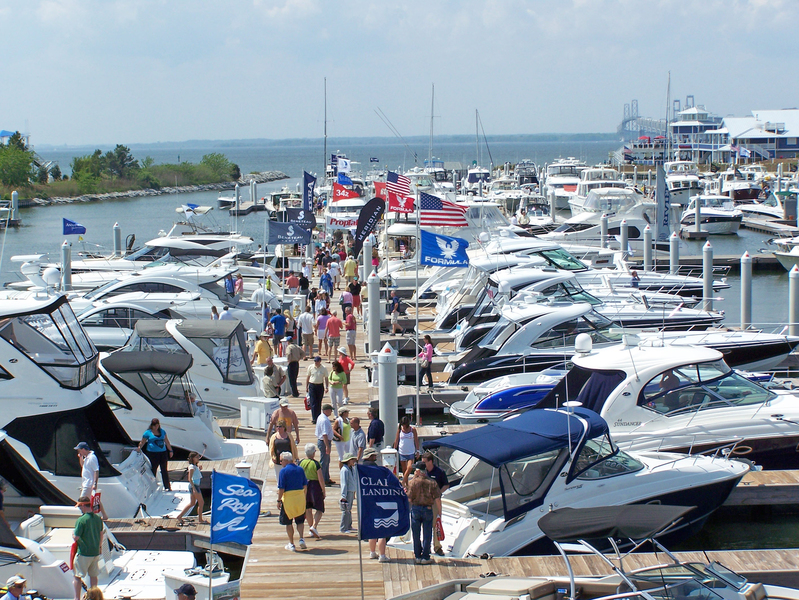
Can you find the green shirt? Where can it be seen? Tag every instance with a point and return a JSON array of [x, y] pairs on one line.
[[89, 529], [310, 467]]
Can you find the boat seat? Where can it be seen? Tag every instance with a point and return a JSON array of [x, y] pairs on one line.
[[479, 596], [540, 589], [465, 492], [755, 591]]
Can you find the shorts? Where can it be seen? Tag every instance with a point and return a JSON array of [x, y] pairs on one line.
[[307, 339], [406, 457], [351, 337], [394, 318], [335, 341], [277, 339], [314, 498], [356, 301], [195, 489], [284, 520], [322, 334], [86, 566]]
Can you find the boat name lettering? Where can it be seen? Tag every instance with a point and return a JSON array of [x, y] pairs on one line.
[[444, 262], [574, 487], [627, 424], [237, 506], [237, 490]]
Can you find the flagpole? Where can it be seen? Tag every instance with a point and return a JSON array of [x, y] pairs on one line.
[[416, 335], [358, 520]]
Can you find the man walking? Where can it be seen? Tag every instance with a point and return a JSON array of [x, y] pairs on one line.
[[289, 416], [88, 534], [294, 354], [437, 474], [290, 501], [357, 439], [306, 324], [350, 331], [90, 472], [324, 437], [316, 384], [423, 495]]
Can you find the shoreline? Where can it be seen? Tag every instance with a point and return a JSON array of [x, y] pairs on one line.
[[263, 177]]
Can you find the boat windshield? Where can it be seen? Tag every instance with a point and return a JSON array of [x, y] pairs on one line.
[[55, 341], [600, 459], [620, 201], [486, 217], [689, 588], [147, 253], [477, 176], [569, 290], [167, 393], [561, 259], [229, 355], [702, 386]]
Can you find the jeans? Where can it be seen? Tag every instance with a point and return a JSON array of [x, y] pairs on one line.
[[316, 392], [428, 370], [324, 459], [293, 369], [422, 530]]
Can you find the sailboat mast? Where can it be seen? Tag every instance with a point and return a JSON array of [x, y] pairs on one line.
[[668, 120], [324, 158], [432, 107], [476, 136]]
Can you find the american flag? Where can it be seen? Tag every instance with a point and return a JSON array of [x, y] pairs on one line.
[[435, 212], [398, 184]]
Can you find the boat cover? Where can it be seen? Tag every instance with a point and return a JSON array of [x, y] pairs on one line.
[[528, 434], [191, 328], [636, 522], [148, 362]]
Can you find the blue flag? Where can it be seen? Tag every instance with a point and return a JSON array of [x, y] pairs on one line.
[[73, 228], [344, 180], [443, 250], [287, 233], [309, 181], [383, 507], [300, 216], [235, 505]]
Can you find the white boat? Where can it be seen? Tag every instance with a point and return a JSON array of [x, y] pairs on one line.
[[54, 400], [141, 384], [682, 181], [594, 178], [511, 471], [220, 369], [738, 185], [475, 181], [717, 215], [772, 208], [562, 177]]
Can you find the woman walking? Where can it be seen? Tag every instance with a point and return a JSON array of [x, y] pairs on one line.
[[321, 329], [195, 477], [407, 445], [426, 362], [281, 442], [157, 449], [342, 431], [336, 380], [315, 494]]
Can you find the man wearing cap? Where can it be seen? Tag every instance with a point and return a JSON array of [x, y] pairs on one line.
[[274, 377], [88, 534], [347, 364], [316, 384], [294, 354], [437, 474], [289, 416], [357, 438], [324, 437], [262, 349], [90, 472], [186, 592], [15, 586], [348, 489], [423, 495]]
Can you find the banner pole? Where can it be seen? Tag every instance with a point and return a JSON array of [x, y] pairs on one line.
[[211, 572], [418, 256], [360, 529]]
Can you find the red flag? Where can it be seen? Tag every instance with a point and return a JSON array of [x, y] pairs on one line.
[[380, 189], [342, 193], [400, 204]]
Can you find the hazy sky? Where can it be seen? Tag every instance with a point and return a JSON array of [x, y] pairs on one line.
[[104, 71]]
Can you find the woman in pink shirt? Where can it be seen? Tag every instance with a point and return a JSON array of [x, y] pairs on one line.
[[427, 354]]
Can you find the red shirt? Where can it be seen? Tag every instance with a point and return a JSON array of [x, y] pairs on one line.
[[293, 282], [349, 323], [334, 327], [346, 362]]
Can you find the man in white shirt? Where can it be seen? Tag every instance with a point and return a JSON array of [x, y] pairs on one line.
[[225, 315], [306, 322], [90, 472], [324, 436], [335, 273]]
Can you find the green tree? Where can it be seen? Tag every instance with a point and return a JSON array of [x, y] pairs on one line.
[[56, 172], [17, 141], [217, 163], [235, 172], [120, 162], [92, 164], [15, 166], [42, 174]]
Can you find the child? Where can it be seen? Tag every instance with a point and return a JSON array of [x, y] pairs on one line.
[[348, 484], [195, 476]]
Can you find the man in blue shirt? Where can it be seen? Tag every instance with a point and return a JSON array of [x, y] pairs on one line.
[[230, 286], [278, 322], [376, 432], [290, 481]]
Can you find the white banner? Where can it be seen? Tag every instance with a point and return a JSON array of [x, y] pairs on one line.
[[333, 223]]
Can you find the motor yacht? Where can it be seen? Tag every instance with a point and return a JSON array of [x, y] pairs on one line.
[[140, 384], [562, 177], [54, 400], [221, 368], [507, 475], [682, 181], [772, 208], [475, 181], [717, 214], [737, 185], [657, 396], [594, 178]]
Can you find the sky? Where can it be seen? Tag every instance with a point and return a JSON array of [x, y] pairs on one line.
[[81, 72]]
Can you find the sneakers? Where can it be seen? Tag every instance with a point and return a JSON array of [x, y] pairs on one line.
[[426, 561], [302, 544], [383, 558], [417, 561], [373, 555], [346, 400], [315, 533], [291, 548], [349, 531]]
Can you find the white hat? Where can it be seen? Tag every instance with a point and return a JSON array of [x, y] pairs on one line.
[[15, 580], [342, 350]]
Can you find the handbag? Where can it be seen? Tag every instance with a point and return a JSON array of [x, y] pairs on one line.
[[425, 363], [439, 529], [307, 402]]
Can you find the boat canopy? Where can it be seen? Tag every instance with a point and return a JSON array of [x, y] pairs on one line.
[[150, 328], [528, 434], [636, 522], [148, 362]]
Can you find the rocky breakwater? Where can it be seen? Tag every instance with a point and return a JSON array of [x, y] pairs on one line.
[[264, 177]]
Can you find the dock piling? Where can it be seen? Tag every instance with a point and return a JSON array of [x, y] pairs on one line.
[[793, 301], [387, 386], [674, 254], [707, 276], [603, 230], [625, 244], [66, 266], [117, 240], [647, 248], [373, 312], [746, 291]]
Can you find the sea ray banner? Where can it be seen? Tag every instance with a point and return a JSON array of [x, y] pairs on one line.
[[443, 250], [287, 233], [73, 228], [662, 225], [303, 218], [309, 181], [367, 221], [383, 507], [235, 505]]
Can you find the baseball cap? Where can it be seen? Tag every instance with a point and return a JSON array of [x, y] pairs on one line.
[[284, 402], [317, 359], [15, 580], [186, 589], [82, 446], [420, 466], [369, 452]]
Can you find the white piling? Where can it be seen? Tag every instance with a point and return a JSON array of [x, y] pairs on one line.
[[14, 207], [603, 230], [66, 266], [373, 312], [697, 214], [366, 264], [387, 387], [793, 301], [117, 240], [746, 291], [647, 248], [625, 244], [707, 276], [551, 194], [674, 253]]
